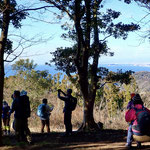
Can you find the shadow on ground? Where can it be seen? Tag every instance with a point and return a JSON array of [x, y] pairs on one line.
[[105, 140]]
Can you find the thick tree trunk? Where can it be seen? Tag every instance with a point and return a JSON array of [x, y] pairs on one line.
[[89, 123], [3, 41], [88, 120], [1, 90]]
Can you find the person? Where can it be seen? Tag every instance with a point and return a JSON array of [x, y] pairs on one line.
[[20, 106], [129, 134], [131, 116], [130, 103], [67, 110], [6, 117], [45, 112], [27, 112]]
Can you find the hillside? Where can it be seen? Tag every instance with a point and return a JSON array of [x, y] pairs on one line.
[[143, 81]]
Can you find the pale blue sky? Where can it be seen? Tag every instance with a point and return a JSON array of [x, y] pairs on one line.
[[126, 51]]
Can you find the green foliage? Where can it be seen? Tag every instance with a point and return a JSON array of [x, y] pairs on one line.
[[8, 47], [114, 97], [122, 77], [35, 82], [23, 65], [63, 59]]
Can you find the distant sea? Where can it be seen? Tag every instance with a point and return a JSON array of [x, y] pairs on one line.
[[110, 67]]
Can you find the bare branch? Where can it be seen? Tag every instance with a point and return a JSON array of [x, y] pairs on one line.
[[23, 44], [60, 7], [31, 9]]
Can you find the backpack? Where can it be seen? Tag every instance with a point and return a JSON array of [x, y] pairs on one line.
[[73, 103], [25, 106], [41, 111], [143, 120], [5, 112]]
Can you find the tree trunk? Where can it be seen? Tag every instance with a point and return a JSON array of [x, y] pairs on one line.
[[3, 41], [88, 119], [1, 90]]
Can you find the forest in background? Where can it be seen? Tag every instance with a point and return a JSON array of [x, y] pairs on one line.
[[110, 104]]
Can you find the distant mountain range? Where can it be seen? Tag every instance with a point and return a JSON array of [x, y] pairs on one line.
[[143, 81], [111, 67]]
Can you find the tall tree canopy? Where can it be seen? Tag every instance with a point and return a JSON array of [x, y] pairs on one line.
[[89, 31]]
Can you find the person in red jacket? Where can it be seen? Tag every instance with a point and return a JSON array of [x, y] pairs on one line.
[[131, 116], [129, 135]]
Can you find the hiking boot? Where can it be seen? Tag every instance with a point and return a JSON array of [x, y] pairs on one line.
[[128, 145]]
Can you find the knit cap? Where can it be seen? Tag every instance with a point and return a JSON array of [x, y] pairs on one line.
[[132, 95], [137, 99]]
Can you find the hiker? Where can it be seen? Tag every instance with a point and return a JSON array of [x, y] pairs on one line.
[[130, 103], [20, 106], [133, 115], [67, 98], [129, 134], [44, 112], [6, 117], [27, 113]]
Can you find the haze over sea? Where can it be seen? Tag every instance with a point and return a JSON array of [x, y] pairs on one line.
[[111, 67]]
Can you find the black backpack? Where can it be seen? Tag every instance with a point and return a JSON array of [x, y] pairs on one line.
[[143, 120], [73, 103], [25, 106]]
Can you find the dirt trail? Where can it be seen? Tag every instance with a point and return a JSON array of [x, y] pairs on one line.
[[103, 140]]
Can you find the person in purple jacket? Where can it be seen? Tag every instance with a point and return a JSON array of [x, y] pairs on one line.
[[130, 103]]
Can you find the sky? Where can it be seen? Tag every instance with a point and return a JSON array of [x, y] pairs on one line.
[[130, 51]]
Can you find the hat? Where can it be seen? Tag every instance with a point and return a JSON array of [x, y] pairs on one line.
[[23, 92], [137, 99], [5, 103], [132, 95]]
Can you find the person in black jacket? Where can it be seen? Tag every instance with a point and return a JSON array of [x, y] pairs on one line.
[[67, 110], [27, 113], [21, 107]]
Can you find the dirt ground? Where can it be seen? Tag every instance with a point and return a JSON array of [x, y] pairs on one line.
[[103, 140]]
